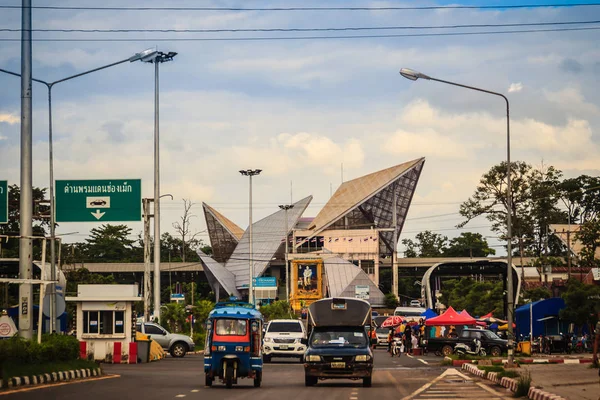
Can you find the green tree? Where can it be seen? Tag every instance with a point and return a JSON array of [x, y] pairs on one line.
[[581, 302], [426, 244], [469, 244], [110, 243], [534, 198], [537, 293], [581, 196], [173, 317], [478, 298], [589, 236], [10, 248]]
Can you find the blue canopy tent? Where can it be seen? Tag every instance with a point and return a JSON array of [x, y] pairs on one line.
[[429, 313], [545, 317]]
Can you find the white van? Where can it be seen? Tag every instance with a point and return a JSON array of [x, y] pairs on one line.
[[410, 313]]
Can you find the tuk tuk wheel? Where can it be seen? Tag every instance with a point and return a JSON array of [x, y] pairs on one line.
[[310, 380], [229, 376], [367, 382], [446, 350], [495, 351], [208, 380], [258, 379]]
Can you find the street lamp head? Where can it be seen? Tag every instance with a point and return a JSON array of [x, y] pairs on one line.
[[250, 172], [152, 56], [412, 75], [145, 55]]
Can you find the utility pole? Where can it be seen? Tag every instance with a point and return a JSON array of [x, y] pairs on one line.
[[569, 252], [394, 243], [522, 267], [192, 313], [147, 285], [26, 206], [287, 267]]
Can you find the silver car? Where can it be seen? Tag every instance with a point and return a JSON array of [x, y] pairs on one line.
[[177, 345]]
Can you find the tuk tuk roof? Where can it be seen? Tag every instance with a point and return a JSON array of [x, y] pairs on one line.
[[339, 311], [235, 309]]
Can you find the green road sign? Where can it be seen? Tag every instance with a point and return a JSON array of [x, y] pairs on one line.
[[99, 200], [3, 202]]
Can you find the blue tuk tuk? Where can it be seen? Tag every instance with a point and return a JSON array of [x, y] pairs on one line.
[[233, 344]]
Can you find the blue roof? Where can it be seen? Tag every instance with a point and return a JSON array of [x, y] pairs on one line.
[[234, 310]]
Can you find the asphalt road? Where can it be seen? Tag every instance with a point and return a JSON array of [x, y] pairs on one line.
[[394, 378]]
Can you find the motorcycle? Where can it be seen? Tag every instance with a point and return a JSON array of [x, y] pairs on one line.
[[462, 348], [396, 347]]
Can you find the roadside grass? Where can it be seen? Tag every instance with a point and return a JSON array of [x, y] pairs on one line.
[[12, 369], [523, 384], [510, 373]]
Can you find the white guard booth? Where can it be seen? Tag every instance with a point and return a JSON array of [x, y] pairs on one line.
[[105, 322]]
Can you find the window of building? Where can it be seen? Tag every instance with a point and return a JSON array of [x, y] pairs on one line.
[[103, 322]]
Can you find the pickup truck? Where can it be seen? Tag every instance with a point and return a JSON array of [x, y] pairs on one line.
[[491, 342]]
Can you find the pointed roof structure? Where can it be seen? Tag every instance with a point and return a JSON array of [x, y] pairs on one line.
[[268, 235], [219, 278], [366, 201], [223, 233], [343, 277], [451, 317]]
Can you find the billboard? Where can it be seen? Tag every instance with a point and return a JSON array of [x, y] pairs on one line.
[[306, 282]]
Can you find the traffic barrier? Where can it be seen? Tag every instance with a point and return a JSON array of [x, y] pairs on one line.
[[83, 350], [117, 353], [509, 383], [133, 352]]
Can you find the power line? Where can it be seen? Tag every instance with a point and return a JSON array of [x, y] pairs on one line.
[[381, 8], [368, 28], [265, 38]]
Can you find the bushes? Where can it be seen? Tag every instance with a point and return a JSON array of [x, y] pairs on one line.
[[277, 310], [53, 348], [523, 384], [391, 301]]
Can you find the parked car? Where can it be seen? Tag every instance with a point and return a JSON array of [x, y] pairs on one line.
[[283, 338], [492, 344], [176, 344], [415, 303]]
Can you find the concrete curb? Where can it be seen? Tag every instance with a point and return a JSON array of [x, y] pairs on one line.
[[539, 394], [511, 384], [50, 378]]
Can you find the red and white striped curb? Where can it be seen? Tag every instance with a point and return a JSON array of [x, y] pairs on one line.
[[539, 394], [472, 368], [509, 383], [547, 361]]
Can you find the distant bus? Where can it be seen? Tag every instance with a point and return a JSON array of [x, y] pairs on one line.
[[410, 313]]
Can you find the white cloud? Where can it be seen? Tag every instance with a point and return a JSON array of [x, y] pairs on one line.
[[9, 119], [515, 87]]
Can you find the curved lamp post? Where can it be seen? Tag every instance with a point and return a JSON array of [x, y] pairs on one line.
[[49, 86], [413, 76], [250, 173]]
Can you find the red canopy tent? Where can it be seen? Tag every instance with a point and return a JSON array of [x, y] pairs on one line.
[[451, 317]]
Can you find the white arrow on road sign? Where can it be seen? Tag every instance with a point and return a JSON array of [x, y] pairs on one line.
[[98, 214]]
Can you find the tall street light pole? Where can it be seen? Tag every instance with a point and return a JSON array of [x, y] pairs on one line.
[[413, 76], [250, 173], [26, 202], [287, 207], [157, 58], [49, 86]]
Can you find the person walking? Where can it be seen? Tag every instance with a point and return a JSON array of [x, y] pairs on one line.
[[408, 339], [597, 342]]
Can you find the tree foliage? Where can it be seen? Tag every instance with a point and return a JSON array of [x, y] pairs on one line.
[[582, 302], [589, 236], [581, 196], [110, 243], [277, 310], [534, 203], [10, 248], [537, 293], [428, 244], [478, 298]]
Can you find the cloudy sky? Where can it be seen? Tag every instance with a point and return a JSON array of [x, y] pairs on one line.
[[299, 109]]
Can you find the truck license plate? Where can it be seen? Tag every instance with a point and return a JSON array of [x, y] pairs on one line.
[[338, 365], [283, 346]]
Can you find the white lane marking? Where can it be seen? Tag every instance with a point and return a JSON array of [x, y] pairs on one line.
[[180, 395], [423, 361], [408, 355], [195, 391]]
